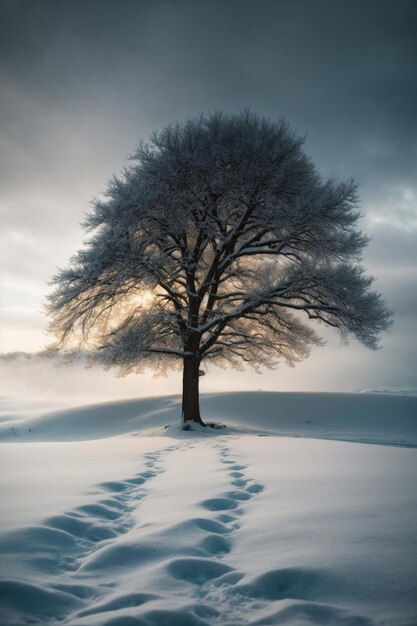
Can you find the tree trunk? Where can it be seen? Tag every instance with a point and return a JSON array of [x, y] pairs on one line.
[[190, 392]]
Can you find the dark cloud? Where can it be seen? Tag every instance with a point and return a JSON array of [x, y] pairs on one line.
[[82, 82], [343, 71]]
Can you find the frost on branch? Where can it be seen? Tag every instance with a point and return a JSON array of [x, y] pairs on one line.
[[238, 242]]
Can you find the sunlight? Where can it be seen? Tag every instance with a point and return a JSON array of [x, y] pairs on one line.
[[143, 299]]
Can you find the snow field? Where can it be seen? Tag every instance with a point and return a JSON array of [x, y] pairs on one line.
[[211, 528]]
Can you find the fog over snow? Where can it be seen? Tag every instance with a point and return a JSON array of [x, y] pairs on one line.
[[82, 83]]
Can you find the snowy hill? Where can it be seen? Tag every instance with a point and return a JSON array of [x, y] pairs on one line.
[[110, 519], [371, 418]]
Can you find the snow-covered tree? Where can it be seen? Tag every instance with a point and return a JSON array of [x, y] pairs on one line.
[[211, 247]]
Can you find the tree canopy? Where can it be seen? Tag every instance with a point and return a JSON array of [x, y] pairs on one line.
[[220, 242]]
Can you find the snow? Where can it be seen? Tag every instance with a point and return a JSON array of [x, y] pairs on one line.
[[374, 418], [110, 519]]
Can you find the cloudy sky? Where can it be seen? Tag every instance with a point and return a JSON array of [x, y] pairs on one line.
[[82, 82]]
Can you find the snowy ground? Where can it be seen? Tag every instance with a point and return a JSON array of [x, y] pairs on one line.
[[283, 518]]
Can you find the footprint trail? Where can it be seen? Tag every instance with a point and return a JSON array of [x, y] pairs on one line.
[[220, 597], [60, 548], [212, 578], [151, 552]]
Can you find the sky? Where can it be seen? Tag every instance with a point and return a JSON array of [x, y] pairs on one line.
[[83, 82]]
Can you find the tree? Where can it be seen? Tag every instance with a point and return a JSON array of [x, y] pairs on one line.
[[210, 247]]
